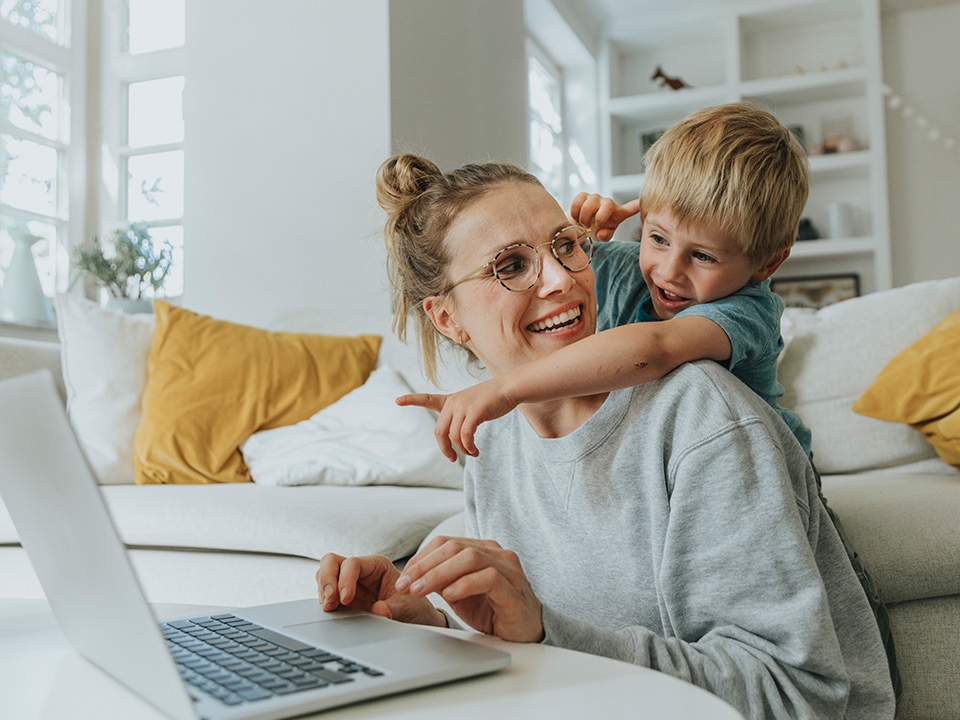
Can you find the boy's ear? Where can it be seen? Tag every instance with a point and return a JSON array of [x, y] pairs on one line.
[[771, 266], [442, 320]]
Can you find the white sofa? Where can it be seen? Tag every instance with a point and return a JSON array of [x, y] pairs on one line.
[[898, 501]]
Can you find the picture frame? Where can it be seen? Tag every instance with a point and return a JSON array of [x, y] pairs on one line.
[[646, 140], [816, 291], [799, 134]]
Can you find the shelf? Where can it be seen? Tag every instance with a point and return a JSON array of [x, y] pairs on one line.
[[840, 163], [667, 106], [809, 87], [833, 247], [811, 62], [851, 163]]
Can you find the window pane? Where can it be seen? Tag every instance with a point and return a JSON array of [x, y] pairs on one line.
[[155, 186], [29, 95], [155, 112], [173, 283], [154, 25], [28, 175], [545, 95], [40, 16]]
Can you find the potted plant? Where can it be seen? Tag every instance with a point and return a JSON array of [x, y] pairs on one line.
[[126, 269]]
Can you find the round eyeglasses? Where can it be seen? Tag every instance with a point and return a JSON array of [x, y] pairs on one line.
[[518, 266]]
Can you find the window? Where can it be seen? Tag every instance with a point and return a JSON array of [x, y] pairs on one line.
[[556, 155], [546, 122], [39, 94], [150, 146]]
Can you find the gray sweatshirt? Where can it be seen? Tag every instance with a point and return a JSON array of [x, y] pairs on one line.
[[680, 529]]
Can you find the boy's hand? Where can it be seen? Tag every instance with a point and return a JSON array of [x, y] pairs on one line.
[[601, 215], [461, 414]]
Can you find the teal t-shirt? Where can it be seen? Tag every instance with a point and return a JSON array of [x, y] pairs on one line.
[[750, 317]]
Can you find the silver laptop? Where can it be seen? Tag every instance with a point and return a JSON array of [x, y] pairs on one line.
[[270, 661]]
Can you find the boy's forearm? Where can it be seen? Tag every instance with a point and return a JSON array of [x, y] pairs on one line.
[[613, 359]]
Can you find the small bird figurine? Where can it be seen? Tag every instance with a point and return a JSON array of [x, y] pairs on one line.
[[674, 83]]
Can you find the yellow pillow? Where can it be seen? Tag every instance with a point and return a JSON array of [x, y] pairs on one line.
[[921, 387], [211, 384]]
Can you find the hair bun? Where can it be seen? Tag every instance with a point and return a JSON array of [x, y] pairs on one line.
[[402, 180]]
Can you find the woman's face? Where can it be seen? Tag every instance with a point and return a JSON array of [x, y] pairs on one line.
[[505, 328]]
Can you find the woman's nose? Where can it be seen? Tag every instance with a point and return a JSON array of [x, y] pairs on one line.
[[554, 277]]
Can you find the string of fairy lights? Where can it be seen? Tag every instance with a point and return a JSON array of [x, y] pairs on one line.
[[933, 133]]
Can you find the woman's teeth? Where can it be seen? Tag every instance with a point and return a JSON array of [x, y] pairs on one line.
[[557, 321]]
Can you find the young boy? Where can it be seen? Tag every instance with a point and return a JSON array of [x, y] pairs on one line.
[[720, 207]]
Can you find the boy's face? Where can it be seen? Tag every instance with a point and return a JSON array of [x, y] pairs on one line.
[[685, 265]]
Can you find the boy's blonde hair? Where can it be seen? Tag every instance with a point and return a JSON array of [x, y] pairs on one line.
[[735, 168]]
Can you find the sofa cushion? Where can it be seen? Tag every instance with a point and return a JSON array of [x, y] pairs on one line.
[[299, 521], [364, 438], [104, 359], [905, 528], [211, 384], [836, 352], [921, 387], [19, 357]]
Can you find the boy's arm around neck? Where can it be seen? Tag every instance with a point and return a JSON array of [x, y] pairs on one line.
[[617, 358]]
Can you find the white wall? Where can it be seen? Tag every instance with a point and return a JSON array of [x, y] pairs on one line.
[[287, 119], [458, 80], [288, 115], [921, 54]]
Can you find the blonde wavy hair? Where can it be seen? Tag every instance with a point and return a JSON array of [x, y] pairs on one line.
[[735, 168]]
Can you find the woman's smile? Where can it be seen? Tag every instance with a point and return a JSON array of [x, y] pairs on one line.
[[557, 322]]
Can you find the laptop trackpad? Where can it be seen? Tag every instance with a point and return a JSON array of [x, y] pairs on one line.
[[350, 631]]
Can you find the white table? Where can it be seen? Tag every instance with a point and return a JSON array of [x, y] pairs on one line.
[[41, 676]]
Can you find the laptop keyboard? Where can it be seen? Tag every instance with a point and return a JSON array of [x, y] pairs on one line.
[[237, 661]]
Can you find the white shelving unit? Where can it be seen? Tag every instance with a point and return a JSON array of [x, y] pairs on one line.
[[807, 60]]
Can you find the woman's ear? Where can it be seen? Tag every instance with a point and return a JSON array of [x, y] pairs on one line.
[[442, 319], [771, 266]]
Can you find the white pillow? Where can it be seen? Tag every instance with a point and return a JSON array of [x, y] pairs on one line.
[[833, 356], [364, 438], [104, 358]]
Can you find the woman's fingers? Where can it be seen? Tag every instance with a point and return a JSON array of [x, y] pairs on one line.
[[484, 584], [356, 581], [444, 561], [328, 581]]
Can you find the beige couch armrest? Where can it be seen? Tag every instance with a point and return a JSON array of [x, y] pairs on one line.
[[18, 357]]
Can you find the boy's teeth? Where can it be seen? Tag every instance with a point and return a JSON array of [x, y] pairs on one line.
[[557, 320]]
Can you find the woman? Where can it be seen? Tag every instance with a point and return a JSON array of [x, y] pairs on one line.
[[674, 525]]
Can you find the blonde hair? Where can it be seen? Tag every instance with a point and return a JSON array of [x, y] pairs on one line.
[[421, 204], [735, 168]]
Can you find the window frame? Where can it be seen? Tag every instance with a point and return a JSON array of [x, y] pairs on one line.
[[537, 52], [68, 58], [121, 69]]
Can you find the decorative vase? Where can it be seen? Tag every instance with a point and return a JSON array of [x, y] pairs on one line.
[[130, 306], [21, 297]]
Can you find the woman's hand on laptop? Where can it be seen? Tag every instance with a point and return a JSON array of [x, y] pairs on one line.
[[483, 583], [369, 583]]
